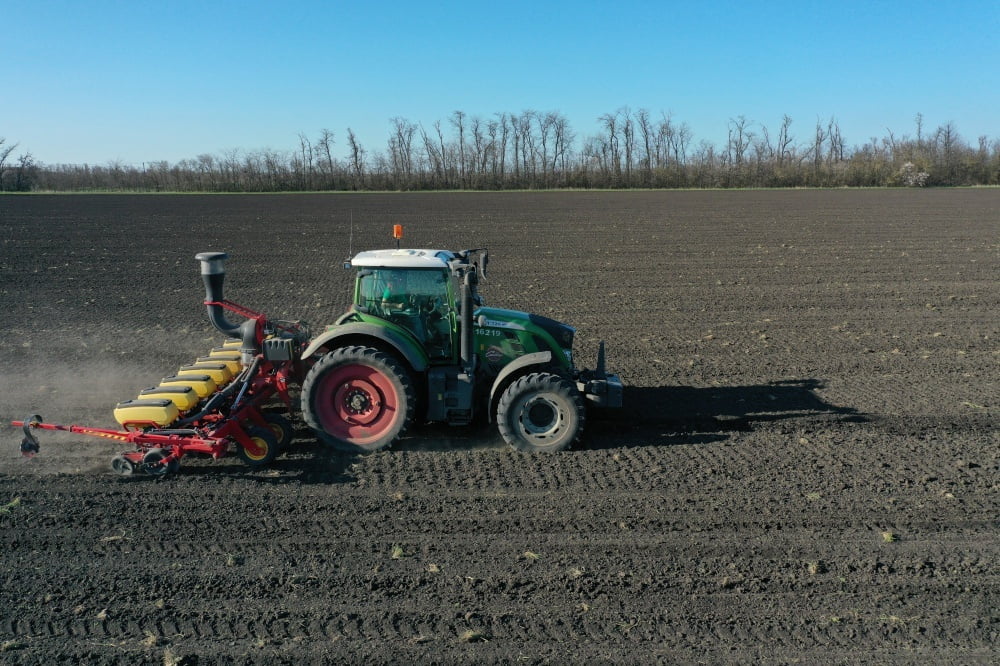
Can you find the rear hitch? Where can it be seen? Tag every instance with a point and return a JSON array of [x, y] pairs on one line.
[[29, 445]]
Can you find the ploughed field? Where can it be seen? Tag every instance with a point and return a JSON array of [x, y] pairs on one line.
[[806, 468]]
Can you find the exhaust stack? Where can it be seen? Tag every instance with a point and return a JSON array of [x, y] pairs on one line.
[[213, 274], [466, 340]]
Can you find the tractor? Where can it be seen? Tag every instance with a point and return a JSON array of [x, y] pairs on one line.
[[418, 343]]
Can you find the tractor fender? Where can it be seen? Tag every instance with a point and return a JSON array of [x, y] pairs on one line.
[[511, 370], [352, 333]]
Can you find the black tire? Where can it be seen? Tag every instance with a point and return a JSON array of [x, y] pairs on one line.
[[282, 429], [122, 465], [541, 412], [152, 465], [358, 399], [265, 447]]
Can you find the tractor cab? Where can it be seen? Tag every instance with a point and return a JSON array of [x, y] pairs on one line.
[[413, 289]]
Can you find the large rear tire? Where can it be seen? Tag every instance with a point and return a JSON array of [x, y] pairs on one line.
[[541, 412], [358, 399]]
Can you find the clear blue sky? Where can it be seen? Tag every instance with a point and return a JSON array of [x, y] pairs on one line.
[[100, 80]]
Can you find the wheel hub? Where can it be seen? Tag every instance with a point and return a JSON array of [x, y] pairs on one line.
[[541, 418], [358, 401], [541, 415], [257, 448]]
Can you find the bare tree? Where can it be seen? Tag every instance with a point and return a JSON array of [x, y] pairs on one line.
[[24, 172], [401, 150], [819, 138], [785, 140], [543, 122], [357, 158], [610, 121], [480, 149], [523, 125], [325, 146], [835, 141], [947, 140], [505, 130], [665, 141], [458, 120], [307, 167], [646, 132], [739, 140], [562, 138], [5, 152], [738, 144], [433, 157], [445, 168]]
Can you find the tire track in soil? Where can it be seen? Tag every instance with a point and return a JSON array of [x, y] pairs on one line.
[[663, 628]]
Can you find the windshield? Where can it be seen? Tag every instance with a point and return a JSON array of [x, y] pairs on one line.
[[396, 288], [416, 299]]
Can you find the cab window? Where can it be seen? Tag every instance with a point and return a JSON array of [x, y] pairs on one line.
[[416, 299]]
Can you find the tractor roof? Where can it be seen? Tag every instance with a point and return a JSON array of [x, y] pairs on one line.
[[403, 259]]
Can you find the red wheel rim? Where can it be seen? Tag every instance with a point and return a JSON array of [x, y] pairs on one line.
[[356, 403]]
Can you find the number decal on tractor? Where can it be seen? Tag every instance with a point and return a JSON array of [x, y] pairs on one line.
[[489, 333]]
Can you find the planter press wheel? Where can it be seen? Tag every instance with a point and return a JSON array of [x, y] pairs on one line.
[[282, 429], [263, 448], [152, 463], [122, 465], [358, 399]]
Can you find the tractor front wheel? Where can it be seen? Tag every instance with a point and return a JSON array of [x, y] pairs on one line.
[[541, 412], [358, 399]]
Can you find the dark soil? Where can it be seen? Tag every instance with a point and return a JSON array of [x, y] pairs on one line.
[[806, 469]]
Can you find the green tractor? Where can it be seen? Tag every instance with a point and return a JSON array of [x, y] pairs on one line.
[[418, 344]]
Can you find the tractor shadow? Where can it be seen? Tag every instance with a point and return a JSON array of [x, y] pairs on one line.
[[651, 416], [662, 416], [665, 415]]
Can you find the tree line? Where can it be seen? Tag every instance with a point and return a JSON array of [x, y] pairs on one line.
[[540, 150]]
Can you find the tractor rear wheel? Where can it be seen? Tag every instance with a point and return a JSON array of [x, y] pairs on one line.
[[541, 412], [358, 399]]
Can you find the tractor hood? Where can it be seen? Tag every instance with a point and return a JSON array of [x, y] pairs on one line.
[[514, 320]]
